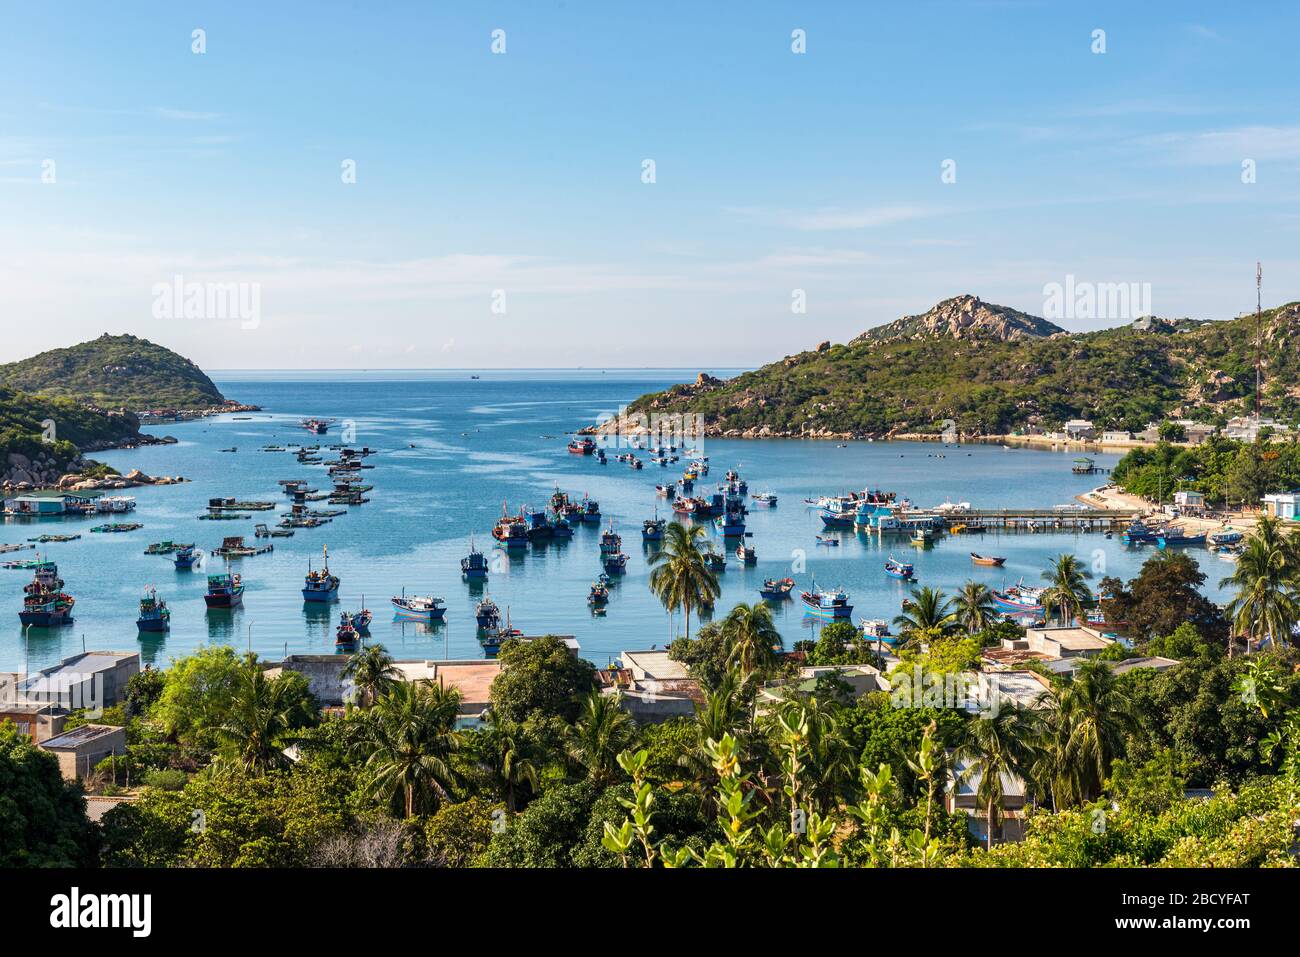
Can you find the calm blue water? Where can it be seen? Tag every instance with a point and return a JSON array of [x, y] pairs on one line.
[[452, 450]]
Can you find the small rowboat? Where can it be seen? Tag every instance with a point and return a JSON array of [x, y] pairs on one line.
[[827, 541], [777, 589], [986, 559], [901, 570]]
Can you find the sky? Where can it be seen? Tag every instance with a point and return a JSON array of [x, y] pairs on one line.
[[543, 184]]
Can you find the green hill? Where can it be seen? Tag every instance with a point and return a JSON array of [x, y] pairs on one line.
[[994, 370], [120, 372]]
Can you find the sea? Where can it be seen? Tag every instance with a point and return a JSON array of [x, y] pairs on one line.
[[455, 448]]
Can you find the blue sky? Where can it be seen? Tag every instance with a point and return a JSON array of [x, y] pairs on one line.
[[522, 172]]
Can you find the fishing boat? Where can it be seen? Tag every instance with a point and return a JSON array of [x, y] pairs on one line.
[[831, 542], [777, 588], [316, 426], [616, 563], [826, 604], [539, 526], [1225, 538], [1020, 599], [839, 514], [666, 491], [731, 523], [419, 607], [224, 591], [162, 548], [590, 511], [905, 571], [1177, 538], [154, 613], [582, 447], [487, 614], [321, 585], [232, 546], [474, 566], [764, 498], [599, 594], [634, 462], [186, 556], [511, 530], [746, 554], [1138, 533], [358, 620], [993, 560], [733, 479], [877, 630], [45, 604], [491, 641], [346, 638], [715, 561], [652, 529], [610, 541]]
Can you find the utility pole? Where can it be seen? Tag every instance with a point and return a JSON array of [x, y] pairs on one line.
[[1259, 337]]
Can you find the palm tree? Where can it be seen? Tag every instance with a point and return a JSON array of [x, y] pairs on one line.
[[1066, 590], [260, 714], [1088, 718], [723, 712], [974, 608], [931, 767], [510, 764], [603, 731], [411, 735], [1267, 579], [680, 578], [1000, 745], [372, 672], [751, 638], [927, 614]]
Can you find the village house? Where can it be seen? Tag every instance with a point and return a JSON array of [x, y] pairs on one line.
[[1116, 438], [859, 679], [92, 679], [962, 794], [1282, 505], [1067, 641], [651, 686], [1080, 429], [1189, 502], [79, 750]]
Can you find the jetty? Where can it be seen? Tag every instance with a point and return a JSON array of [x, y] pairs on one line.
[[1041, 519]]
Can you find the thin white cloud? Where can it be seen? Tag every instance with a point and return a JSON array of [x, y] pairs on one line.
[[1213, 147]]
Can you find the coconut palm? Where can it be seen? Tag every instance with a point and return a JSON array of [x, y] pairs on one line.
[[996, 749], [723, 712], [751, 638], [372, 672], [974, 608], [1267, 580], [603, 730], [927, 614], [1088, 719], [680, 579], [1066, 589], [411, 733], [261, 713], [508, 761]]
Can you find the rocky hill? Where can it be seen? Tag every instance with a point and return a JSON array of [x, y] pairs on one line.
[[992, 370], [116, 372]]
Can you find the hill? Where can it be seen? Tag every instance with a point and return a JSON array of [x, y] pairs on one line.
[[121, 372], [993, 370]]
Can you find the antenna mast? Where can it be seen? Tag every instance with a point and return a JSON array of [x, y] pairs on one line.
[[1259, 335]]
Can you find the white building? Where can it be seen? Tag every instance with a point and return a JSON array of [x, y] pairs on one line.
[[1283, 505]]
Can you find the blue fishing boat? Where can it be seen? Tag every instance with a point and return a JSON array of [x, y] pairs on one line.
[[487, 614], [224, 591], [1020, 600], [45, 605], [652, 529], [590, 511], [901, 570], [616, 564], [187, 557], [1177, 538], [1139, 533], [418, 607], [777, 589], [826, 604], [610, 541], [561, 528], [731, 523], [474, 566], [321, 585], [539, 526], [154, 613], [358, 620], [1225, 538], [599, 594], [838, 514], [346, 638]]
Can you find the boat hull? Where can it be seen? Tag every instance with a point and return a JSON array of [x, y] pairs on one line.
[[320, 595], [224, 601], [44, 619], [817, 611], [152, 624]]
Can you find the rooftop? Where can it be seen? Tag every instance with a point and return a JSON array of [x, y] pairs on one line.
[[80, 736], [1071, 639], [1149, 661], [653, 664], [472, 678], [77, 668]]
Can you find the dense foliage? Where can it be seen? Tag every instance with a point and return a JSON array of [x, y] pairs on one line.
[[1228, 471], [1119, 378], [115, 372]]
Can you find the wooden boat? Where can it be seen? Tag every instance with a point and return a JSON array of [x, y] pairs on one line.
[[777, 588], [590, 511], [826, 604], [616, 563], [45, 603], [321, 585], [715, 561], [316, 426], [599, 594], [346, 638], [764, 498], [487, 614], [359, 620], [905, 571], [979, 559], [419, 608], [474, 566], [746, 554], [511, 530], [117, 527], [832, 542], [155, 616], [232, 546], [610, 541], [1225, 538], [1020, 599], [224, 591], [186, 557], [582, 447]]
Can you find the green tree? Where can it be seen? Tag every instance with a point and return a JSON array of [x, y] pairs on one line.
[[926, 614], [751, 638], [1267, 581], [1088, 719], [456, 835], [540, 677], [973, 607], [603, 730], [411, 737], [262, 711], [680, 579], [372, 672], [997, 748], [198, 695], [42, 817], [1066, 591]]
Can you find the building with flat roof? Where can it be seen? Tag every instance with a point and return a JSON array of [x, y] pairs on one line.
[[1145, 661], [80, 749], [1066, 641], [653, 664], [1284, 505], [92, 679]]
